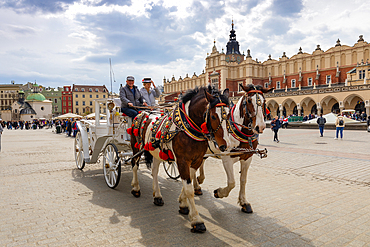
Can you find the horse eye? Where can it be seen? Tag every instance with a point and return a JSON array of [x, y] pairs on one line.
[[249, 101], [213, 117]]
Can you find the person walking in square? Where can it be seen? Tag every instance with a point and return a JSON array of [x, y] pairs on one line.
[[339, 124], [1, 131], [321, 122], [275, 126]]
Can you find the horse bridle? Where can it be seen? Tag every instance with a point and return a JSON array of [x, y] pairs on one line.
[[208, 122], [249, 116]]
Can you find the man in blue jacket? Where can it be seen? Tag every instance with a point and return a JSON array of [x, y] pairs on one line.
[[275, 126], [130, 97]]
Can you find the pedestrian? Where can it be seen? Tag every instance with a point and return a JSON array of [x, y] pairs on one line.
[[130, 97], [275, 125], [285, 122], [339, 124], [74, 128], [69, 127], [321, 122], [368, 124], [148, 93], [1, 131]]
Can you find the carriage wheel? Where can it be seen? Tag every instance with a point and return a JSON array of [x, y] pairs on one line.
[[171, 169], [111, 166], [79, 154]]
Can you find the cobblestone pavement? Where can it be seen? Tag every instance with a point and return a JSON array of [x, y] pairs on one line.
[[309, 191]]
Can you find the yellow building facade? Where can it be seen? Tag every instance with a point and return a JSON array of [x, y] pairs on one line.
[[320, 81], [83, 97]]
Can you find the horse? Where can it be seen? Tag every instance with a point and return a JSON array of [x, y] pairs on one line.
[[245, 123], [181, 136]]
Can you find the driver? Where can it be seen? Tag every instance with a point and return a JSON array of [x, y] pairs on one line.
[[130, 97]]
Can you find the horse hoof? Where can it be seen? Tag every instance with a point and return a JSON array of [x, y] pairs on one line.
[[136, 193], [184, 210], [200, 181], [198, 228], [158, 201], [198, 192], [247, 208], [215, 193]]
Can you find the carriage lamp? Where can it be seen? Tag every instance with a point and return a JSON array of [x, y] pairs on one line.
[[110, 106]]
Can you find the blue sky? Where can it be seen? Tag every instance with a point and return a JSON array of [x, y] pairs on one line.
[[70, 42]]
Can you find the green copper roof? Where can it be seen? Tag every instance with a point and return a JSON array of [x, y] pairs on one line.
[[36, 97]]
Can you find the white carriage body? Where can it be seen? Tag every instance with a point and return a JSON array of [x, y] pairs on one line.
[[96, 134]]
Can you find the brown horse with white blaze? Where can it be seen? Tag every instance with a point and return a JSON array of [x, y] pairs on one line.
[[182, 137], [246, 122]]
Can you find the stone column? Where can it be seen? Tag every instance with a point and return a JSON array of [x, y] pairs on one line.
[[367, 106], [299, 109], [281, 108]]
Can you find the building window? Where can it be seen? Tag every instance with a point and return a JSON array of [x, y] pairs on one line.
[[82, 89], [76, 95], [214, 83], [83, 102], [309, 81], [90, 95], [42, 108], [69, 103], [76, 90], [55, 108], [97, 96], [55, 101], [361, 74], [292, 83], [90, 90], [69, 98], [77, 110], [104, 90], [83, 96], [64, 103], [90, 102], [328, 79], [96, 90], [76, 102], [104, 96], [83, 110], [266, 85], [278, 85]]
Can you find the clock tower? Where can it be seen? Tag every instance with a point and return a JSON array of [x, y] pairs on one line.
[[232, 48]]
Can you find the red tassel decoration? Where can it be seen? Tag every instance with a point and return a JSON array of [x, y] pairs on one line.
[[163, 155], [170, 155], [136, 132], [129, 131], [137, 145], [146, 146], [158, 135], [150, 147], [204, 128]]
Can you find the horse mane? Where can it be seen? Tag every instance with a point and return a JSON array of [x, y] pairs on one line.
[[191, 93], [216, 93]]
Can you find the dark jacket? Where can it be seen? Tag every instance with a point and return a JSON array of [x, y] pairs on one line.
[[320, 122], [275, 124], [127, 96]]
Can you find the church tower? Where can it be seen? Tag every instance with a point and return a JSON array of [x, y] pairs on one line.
[[232, 48]]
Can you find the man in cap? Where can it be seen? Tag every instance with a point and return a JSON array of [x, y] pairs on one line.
[[130, 97], [148, 93]]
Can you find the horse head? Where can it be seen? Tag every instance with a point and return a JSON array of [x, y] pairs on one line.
[[216, 117], [254, 107]]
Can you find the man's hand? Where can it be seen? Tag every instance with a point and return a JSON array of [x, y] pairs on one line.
[[130, 104], [153, 84]]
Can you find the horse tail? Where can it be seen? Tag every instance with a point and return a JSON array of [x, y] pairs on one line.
[[148, 158]]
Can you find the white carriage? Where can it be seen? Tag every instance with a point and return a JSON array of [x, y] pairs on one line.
[[108, 138]]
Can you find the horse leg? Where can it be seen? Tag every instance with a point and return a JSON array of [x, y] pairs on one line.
[[196, 221], [184, 206], [156, 190], [198, 180], [135, 181], [246, 206], [228, 164]]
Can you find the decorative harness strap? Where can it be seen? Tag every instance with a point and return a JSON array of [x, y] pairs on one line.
[[184, 123], [237, 133]]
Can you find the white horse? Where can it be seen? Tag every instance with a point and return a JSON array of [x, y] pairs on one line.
[[246, 122]]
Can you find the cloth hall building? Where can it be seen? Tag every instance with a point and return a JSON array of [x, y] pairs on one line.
[[321, 81]]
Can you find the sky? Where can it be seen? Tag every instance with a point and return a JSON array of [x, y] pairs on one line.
[[57, 43]]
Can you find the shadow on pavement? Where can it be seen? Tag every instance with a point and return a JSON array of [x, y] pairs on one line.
[[164, 226]]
